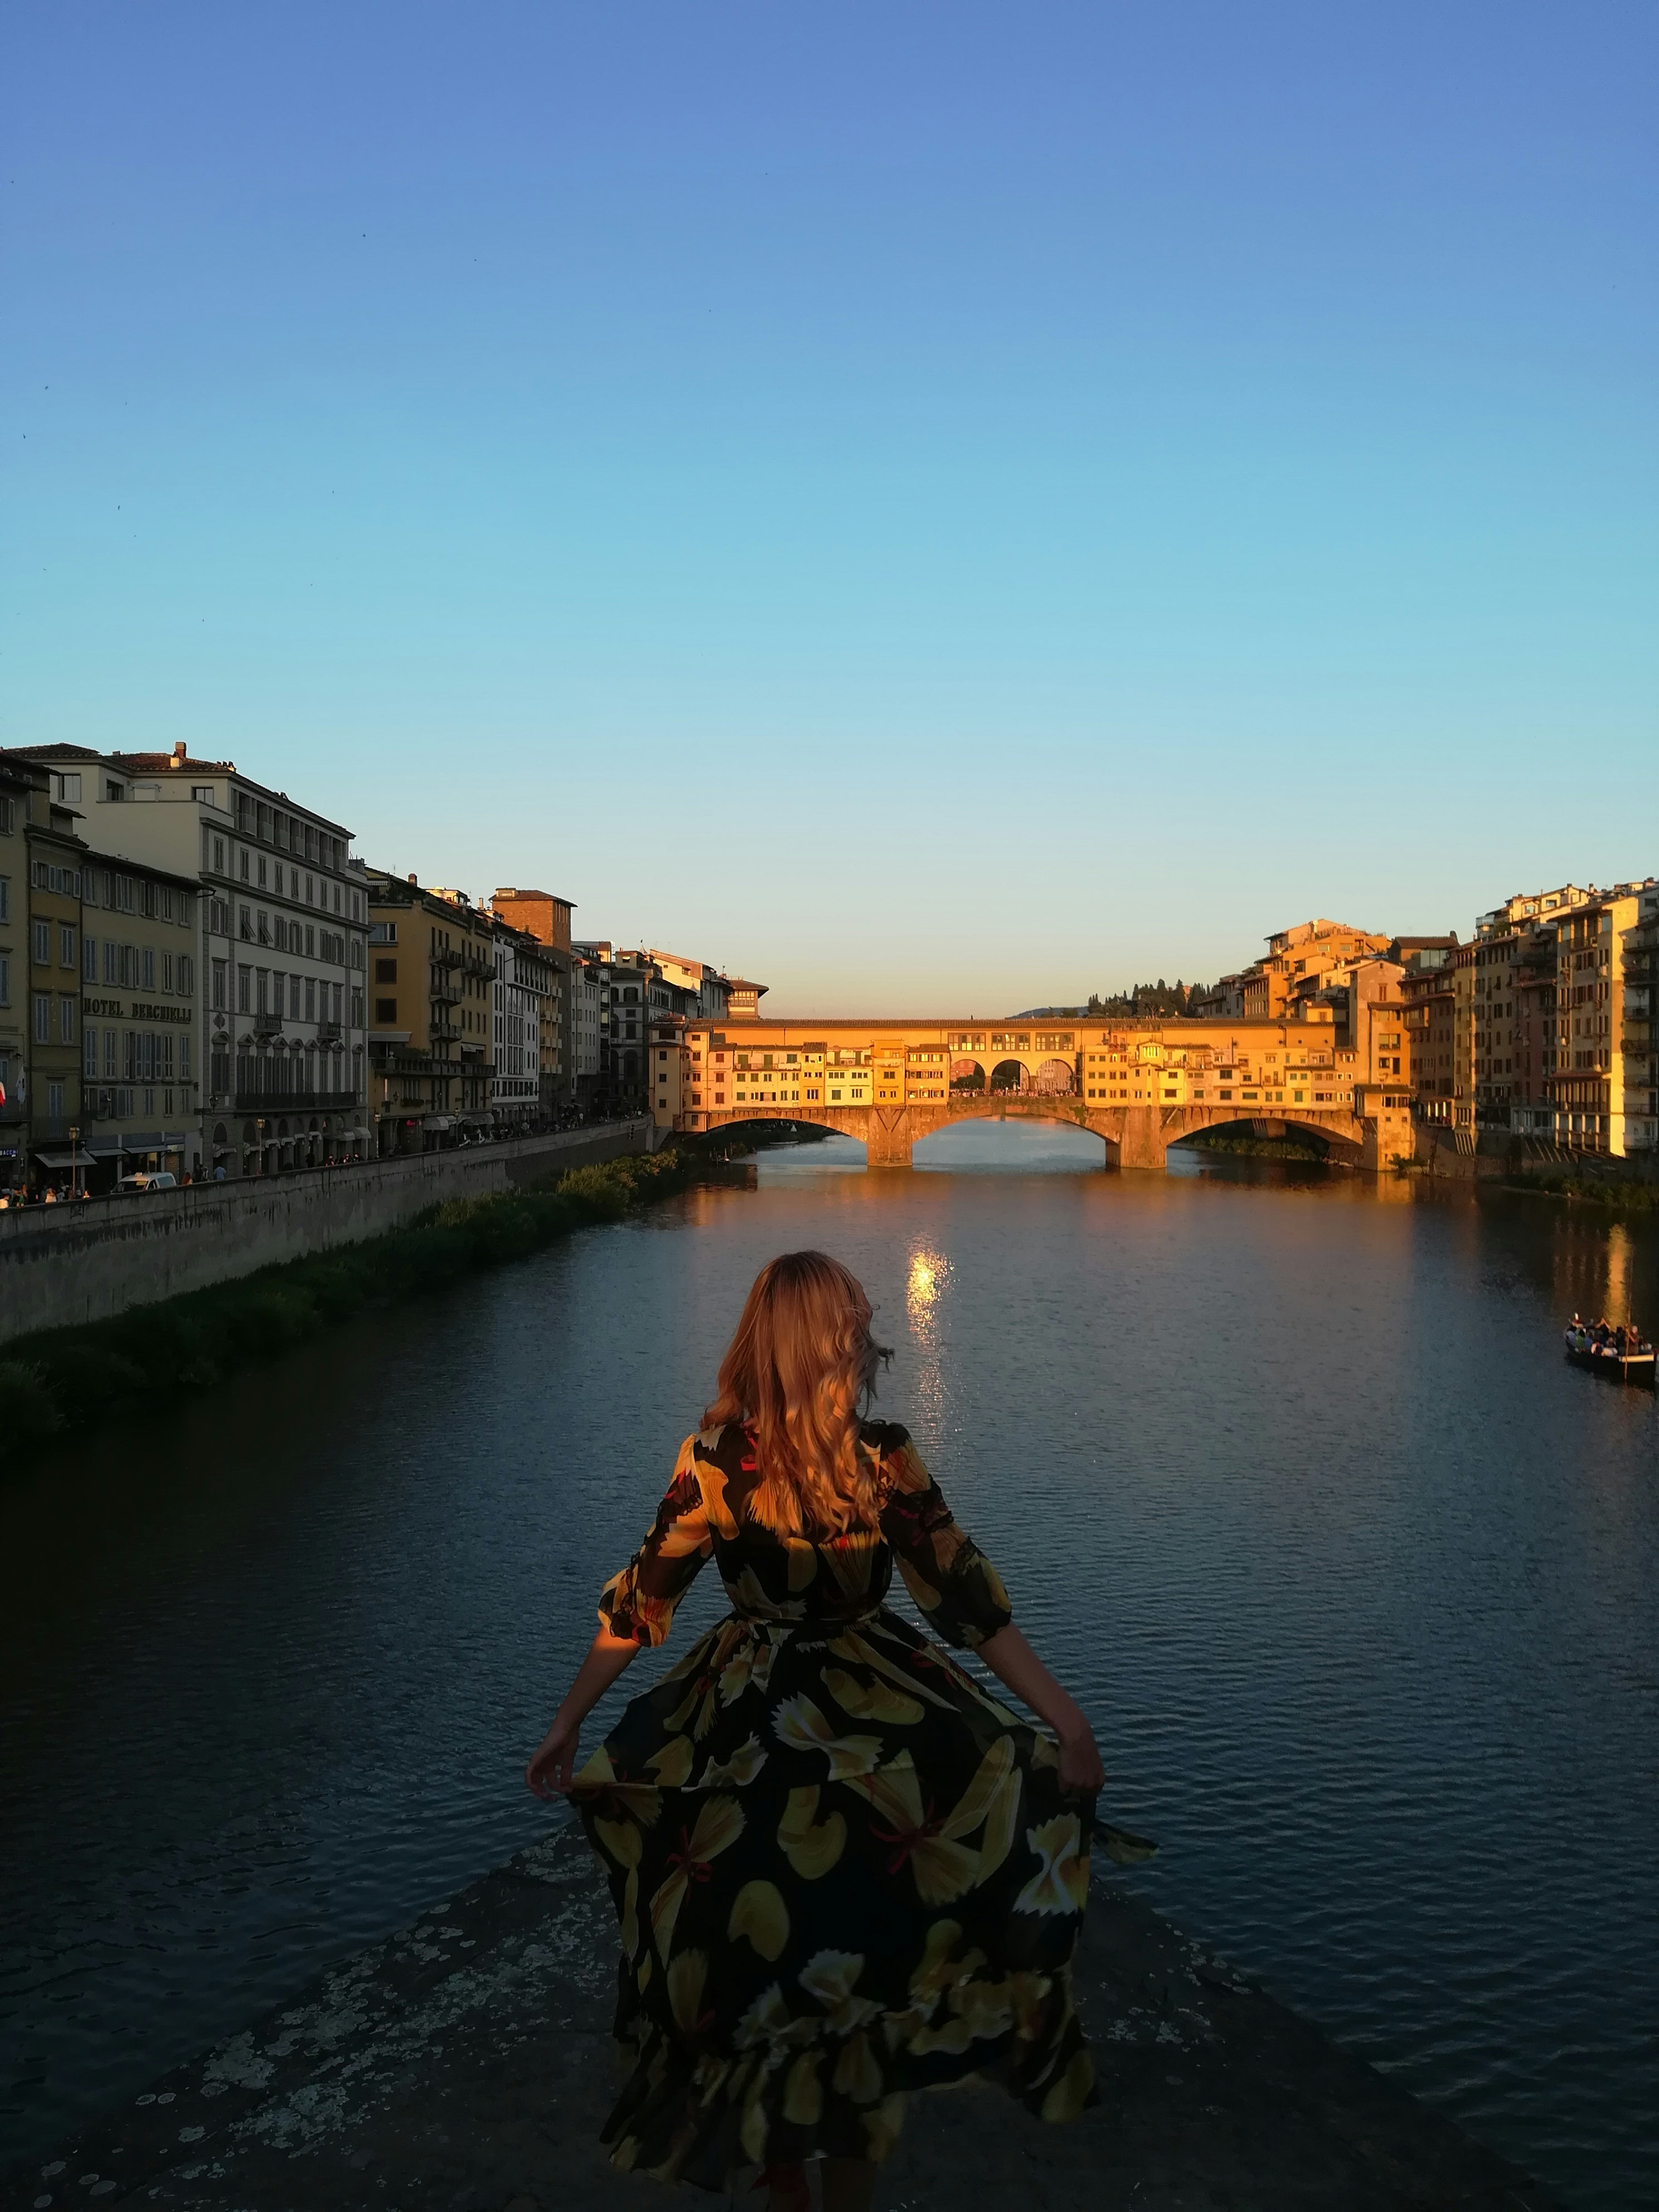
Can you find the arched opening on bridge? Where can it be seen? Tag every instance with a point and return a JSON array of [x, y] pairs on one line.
[[792, 1145], [1025, 1144], [1271, 1140], [1052, 1079], [967, 1075], [1009, 1075]]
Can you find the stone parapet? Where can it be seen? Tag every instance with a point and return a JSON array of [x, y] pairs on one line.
[[85, 1260]]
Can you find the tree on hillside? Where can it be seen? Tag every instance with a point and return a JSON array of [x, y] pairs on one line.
[[1147, 999]]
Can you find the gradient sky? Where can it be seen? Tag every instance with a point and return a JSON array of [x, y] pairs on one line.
[[937, 507]]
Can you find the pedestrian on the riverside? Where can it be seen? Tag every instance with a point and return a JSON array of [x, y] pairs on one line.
[[843, 1871]]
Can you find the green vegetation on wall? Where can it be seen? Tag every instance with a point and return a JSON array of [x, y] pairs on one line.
[[73, 1378]]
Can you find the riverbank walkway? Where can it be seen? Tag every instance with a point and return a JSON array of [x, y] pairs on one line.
[[465, 2065]]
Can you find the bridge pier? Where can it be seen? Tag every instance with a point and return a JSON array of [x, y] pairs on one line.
[[887, 1137], [1143, 1141]]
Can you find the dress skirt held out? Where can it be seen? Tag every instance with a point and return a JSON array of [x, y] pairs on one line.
[[843, 1871]]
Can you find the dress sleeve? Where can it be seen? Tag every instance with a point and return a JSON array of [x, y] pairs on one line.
[[640, 1601], [951, 1579]]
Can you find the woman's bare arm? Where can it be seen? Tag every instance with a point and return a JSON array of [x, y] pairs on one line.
[[549, 1771], [1013, 1661]]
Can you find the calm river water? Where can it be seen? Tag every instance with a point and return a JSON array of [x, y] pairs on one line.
[[1287, 1477]]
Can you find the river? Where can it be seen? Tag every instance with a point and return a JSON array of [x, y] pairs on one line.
[[1285, 1472]]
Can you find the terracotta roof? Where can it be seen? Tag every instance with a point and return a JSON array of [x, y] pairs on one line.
[[162, 764], [53, 752]]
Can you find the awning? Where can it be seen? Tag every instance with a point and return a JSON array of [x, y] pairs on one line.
[[438, 1122]]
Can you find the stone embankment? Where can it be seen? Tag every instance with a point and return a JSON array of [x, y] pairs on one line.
[[62, 1265], [465, 2065]]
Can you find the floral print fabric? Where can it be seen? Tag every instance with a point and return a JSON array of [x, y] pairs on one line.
[[842, 1870]]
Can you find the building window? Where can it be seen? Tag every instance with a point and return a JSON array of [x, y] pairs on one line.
[[88, 959], [89, 1054], [109, 1056], [385, 1012], [42, 944], [42, 1017], [54, 1102], [244, 990], [65, 946], [66, 1021], [5, 981]]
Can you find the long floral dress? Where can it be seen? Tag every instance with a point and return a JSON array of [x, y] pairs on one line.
[[842, 1871]]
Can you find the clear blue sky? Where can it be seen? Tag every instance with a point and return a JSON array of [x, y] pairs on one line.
[[943, 507]]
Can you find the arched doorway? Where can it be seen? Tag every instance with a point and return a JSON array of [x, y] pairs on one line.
[[967, 1075], [1010, 1075]]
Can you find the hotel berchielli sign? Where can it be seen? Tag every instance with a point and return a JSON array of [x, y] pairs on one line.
[[137, 1010]]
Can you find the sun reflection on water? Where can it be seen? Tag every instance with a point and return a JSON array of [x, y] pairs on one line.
[[927, 1282]]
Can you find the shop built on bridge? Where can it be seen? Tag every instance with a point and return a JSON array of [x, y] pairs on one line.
[[1139, 1086]]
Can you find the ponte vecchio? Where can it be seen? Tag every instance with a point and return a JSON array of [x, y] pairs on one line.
[[1139, 1085]]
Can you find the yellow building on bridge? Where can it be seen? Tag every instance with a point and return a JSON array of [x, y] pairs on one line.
[[1140, 1086]]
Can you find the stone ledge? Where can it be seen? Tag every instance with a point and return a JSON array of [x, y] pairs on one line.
[[466, 2064]]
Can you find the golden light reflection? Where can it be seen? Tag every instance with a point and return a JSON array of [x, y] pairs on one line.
[[924, 1299], [927, 1274]]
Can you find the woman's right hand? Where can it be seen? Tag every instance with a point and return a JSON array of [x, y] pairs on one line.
[[549, 1771]]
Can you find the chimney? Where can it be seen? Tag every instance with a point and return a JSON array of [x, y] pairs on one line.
[[179, 754], [413, 878]]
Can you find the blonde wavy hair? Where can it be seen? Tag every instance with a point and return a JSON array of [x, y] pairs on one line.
[[799, 1372]]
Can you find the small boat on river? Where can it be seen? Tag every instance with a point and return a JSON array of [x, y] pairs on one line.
[[1618, 1355]]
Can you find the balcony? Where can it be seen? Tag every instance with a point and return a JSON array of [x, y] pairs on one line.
[[445, 959], [443, 993], [329, 1032], [273, 1105], [445, 1032], [267, 1023], [478, 963]]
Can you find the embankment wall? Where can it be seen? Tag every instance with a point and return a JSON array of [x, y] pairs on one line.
[[1496, 1156], [63, 1265]]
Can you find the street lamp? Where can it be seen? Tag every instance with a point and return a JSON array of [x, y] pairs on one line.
[[74, 1138], [260, 1126]]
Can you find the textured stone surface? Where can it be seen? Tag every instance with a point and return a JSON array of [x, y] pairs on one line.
[[60, 1266], [465, 2065]]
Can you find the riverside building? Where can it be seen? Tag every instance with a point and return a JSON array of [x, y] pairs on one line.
[[587, 1028], [432, 968], [141, 1021], [546, 917], [521, 1011], [16, 783], [279, 952], [1600, 1089], [40, 857]]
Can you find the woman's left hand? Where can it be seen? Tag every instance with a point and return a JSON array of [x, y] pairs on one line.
[[550, 1772], [1081, 1774]]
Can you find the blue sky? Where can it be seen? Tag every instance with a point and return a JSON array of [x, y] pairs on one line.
[[935, 506]]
